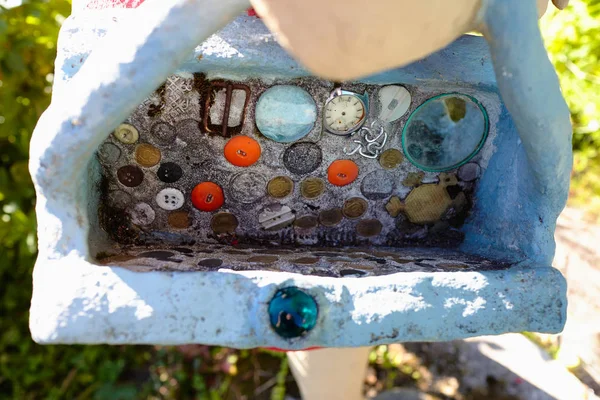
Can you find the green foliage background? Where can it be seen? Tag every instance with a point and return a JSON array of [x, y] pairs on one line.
[[28, 36]]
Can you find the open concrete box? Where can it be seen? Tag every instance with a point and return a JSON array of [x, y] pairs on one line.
[[469, 254]]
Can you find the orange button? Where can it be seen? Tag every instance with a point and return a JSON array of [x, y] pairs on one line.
[[242, 151], [207, 196], [342, 172]]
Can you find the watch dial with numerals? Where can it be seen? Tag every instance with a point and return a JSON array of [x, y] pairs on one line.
[[344, 113]]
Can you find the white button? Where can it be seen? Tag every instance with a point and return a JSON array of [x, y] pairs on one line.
[[127, 134], [142, 214], [170, 199], [394, 102]]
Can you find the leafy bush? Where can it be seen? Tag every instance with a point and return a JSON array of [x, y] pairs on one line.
[[573, 41]]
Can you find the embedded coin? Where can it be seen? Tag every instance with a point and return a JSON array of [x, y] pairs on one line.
[[355, 208], [147, 155], [369, 227], [311, 188], [280, 187], [224, 223], [390, 158], [306, 222], [331, 217], [179, 219]]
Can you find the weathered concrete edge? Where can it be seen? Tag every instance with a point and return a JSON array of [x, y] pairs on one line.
[[85, 303]]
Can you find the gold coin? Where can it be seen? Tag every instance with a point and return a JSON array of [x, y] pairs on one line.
[[390, 158], [280, 187], [179, 220], [224, 223], [311, 188], [331, 217], [147, 155], [355, 208], [369, 227]]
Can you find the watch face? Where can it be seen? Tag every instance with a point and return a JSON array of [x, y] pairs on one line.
[[343, 114]]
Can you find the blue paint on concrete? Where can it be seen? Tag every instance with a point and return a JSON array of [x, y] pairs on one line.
[[519, 196], [526, 184], [285, 113]]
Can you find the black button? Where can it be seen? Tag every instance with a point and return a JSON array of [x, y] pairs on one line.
[[169, 172], [130, 175]]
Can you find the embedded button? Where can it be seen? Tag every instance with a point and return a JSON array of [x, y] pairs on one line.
[[242, 151], [342, 172], [142, 214], [207, 196], [126, 133], [130, 175], [170, 199], [169, 172]]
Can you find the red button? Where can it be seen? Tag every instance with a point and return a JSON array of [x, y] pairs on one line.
[[242, 151], [207, 196], [342, 172]]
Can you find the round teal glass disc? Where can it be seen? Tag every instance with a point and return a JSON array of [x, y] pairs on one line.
[[445, 132], [292, 312], [285, 113]]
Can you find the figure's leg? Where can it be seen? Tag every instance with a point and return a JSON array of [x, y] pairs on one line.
[[331, 374]]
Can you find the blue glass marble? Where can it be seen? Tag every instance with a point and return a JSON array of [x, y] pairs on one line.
[[285, 113], [292, 312]]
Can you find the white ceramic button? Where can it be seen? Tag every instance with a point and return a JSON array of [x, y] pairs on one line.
[[142, 214], [170, 199], [394, 102], [127, 134]]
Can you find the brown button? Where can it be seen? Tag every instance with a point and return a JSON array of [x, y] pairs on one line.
[[390, 158], [355, 208], [311, 188], [130, 175], [280, 187], [224, 223], [369, 227], [306, 222], [179, 220], [147, 155], [331, 217]]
